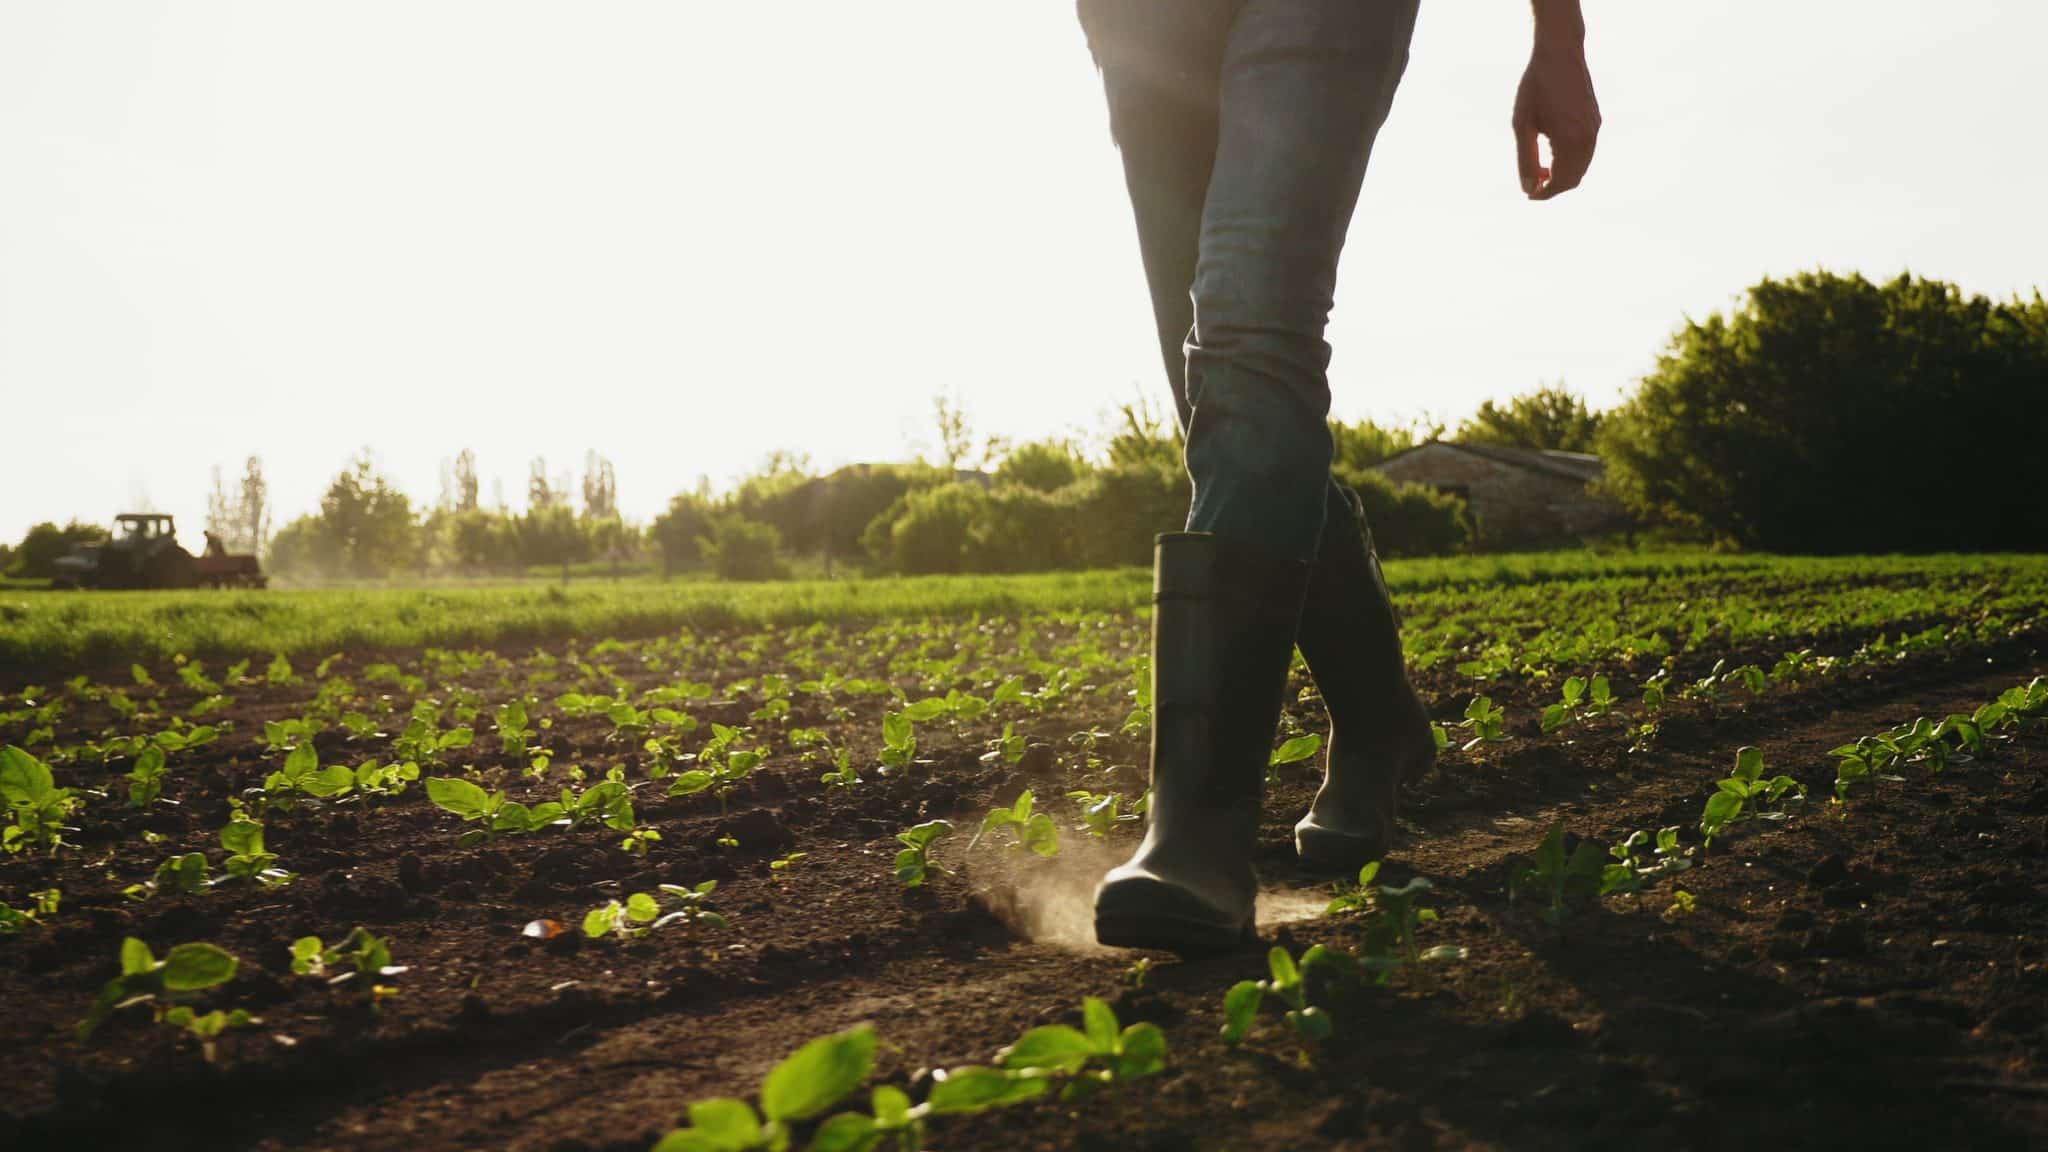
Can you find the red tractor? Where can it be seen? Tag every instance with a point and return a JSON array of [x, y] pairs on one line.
[[144, 553]]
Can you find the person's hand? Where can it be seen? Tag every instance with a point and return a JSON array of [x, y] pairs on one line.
[[1555, 101]]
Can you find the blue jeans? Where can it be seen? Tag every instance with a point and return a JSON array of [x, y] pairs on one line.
[[1245, 126]]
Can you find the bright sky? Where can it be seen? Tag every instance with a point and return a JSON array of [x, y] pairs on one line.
[[685, 234]]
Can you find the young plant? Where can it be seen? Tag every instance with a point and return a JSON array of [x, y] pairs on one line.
[[1745, 794], [184, 875], [721, 766], [1033, 830], [361, 951], [638, 841], [1292, 751], [1101, 812], [144, 979], [641, 912], [146, 778], [899, 741], [374, 779], [1633, 868], [1008, 748], [15, 919], [1557, 877], [608, 802], [491, 810], [1566, 710], [842, 774], [39, 807], [247, 859], [1396, 913], [1288, 984], [302, 772], [1483, 721], [1098, 1054], [914, 863]]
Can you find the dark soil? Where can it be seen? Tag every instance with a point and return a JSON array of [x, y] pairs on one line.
[[1870, 976]]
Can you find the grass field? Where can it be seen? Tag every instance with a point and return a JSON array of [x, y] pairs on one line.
[[48, 633], [1720, 851]]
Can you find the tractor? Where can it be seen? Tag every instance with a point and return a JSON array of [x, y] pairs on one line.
[[144, 553]]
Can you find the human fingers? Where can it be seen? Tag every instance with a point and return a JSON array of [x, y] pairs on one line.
[[1570, 155]]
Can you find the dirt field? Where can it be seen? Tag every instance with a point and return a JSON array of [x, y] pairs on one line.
[[1858, 976]]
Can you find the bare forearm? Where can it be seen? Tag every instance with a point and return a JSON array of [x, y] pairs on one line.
[[1559, 22]]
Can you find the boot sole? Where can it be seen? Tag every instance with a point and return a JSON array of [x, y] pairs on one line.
[[1322, 850], [1179, 935]]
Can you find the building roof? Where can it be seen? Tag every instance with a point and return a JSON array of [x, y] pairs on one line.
[[1578, 466]]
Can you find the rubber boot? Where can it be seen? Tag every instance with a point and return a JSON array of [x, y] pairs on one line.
[[1379, 731], [1223, 622]]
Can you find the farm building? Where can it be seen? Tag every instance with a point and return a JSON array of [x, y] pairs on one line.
[[1519, 498]]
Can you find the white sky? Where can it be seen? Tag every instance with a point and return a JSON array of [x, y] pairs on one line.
[[686, 233]]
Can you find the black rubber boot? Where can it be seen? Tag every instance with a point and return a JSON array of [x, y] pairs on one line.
[[1379, 730], [1223, 623]]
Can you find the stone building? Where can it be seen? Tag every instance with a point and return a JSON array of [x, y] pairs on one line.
[[1519, 498]]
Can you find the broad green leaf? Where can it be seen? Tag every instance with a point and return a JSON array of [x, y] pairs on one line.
[[135, 957], [1055, 1047], [818, 1075], [1721, 808], [845, 1132], [333, 780], [242, 837], [1749, 763], [689, 783], [976, 1089], [458, 796], [599, 921], [1100, 1023], [1041, 835], [642, 907], [1312, 1022], [1144, 1051], [191, 967], [731, 1125], [1296, 750], [1285, 974], [890, 1106], [302, 760], [23, 778]]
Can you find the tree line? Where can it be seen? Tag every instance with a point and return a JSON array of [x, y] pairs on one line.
[[1824, 413]]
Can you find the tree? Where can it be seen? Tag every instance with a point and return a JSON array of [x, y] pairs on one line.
[[1548, 419], [542, 492], [364, 528], [1042, 465], [1356, 447], [459, 483], [36, 556], [600, 488], [253, 527], [1831, 414], [741, 549], [680, 531], [956, 437]]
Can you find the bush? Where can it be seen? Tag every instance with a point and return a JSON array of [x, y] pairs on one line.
[[1831, 414], [929, 530], [36, 556], [742, 549], [1411, 519]]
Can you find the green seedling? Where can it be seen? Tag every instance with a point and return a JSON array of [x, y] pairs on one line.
[[1033, 830], [1483, 721], [360, 951], [287, 734], [1140, 719], [39, 807], [374, 779], [638, 841], [15, 919], [1566, 710], [1008, 748], [1557, 877], [1292, 751], [609, 803], [642, 913], [146, 778], [1641, 859], [184, 875], [247, 859], [491, 810], [842, 774], [1288, 985], [800, 1088], [1101, 812], [423, 742], [914, 863], [514, 728], [1396, 914], [899, 741], [1654, 691], [1098, 1054], [778, 867], [303, 772], [721, 766], [144, 979], [1745, 794], [279, 674]]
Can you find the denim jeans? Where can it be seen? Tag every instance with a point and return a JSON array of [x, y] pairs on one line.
[[1244, 127]]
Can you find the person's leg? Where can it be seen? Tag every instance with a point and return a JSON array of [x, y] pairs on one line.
[[1228, 593], [1161, 63], [1305, 87]]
